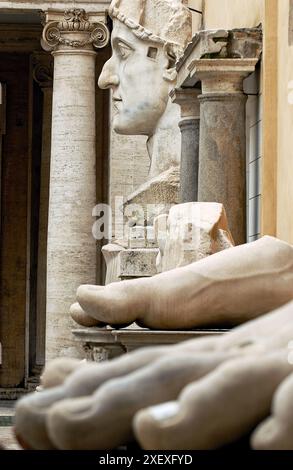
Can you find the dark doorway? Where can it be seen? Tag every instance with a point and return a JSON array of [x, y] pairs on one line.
[[14, 73]]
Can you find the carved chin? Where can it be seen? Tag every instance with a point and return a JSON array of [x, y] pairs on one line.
[[128, 126]]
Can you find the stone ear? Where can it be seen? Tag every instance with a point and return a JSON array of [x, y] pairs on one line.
[[170, 72]]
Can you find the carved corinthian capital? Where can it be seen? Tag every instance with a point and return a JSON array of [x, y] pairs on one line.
[[75, 30]]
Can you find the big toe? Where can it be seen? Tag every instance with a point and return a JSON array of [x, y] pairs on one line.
[[111, 304], [91, 300], [30, 419], [82, 318]]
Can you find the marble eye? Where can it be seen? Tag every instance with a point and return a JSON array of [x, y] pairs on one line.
[[124, 50]]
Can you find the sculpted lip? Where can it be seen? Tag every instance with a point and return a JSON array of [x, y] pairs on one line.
[[116, 102]]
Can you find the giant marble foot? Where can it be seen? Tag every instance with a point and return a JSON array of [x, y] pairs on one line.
[[95, 406], [229, 288]]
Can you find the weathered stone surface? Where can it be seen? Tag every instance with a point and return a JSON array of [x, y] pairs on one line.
[[158, 194], [140, 262], [71, 246], [142, 236], [236, 43], [245, 43], [218, 44], [213, 43], [123, 263], [191, 232], [222, 162]]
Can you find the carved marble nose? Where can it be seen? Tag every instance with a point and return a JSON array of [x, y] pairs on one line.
[[108, 77]]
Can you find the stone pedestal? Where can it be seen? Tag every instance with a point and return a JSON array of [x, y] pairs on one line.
[[222, 164], [101, 344], [71, 245], [123, 263], [187, 98]]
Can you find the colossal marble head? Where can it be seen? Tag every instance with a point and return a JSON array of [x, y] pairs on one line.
[[148, 38]]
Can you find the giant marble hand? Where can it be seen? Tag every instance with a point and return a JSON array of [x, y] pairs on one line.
[[227, 288], [200, 394]]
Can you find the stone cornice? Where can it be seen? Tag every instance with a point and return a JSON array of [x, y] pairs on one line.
[[74, 29], [21, 39], [219, 44], [221, 75], [89, 5]]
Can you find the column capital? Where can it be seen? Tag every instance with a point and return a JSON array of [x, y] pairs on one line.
[[222, 75], [43, 68], [234, 44], [187, 98], [73, 29]]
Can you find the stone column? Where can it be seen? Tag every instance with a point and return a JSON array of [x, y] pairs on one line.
[[222, 155], [187, 98], [43, 75], [71, 246]]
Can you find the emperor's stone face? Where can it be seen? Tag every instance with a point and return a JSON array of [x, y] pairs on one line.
[[136, 73]]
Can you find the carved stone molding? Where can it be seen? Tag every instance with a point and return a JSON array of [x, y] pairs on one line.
[[43, 68], [75, 30], [101, 344], [187, 98], [220, 76]]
